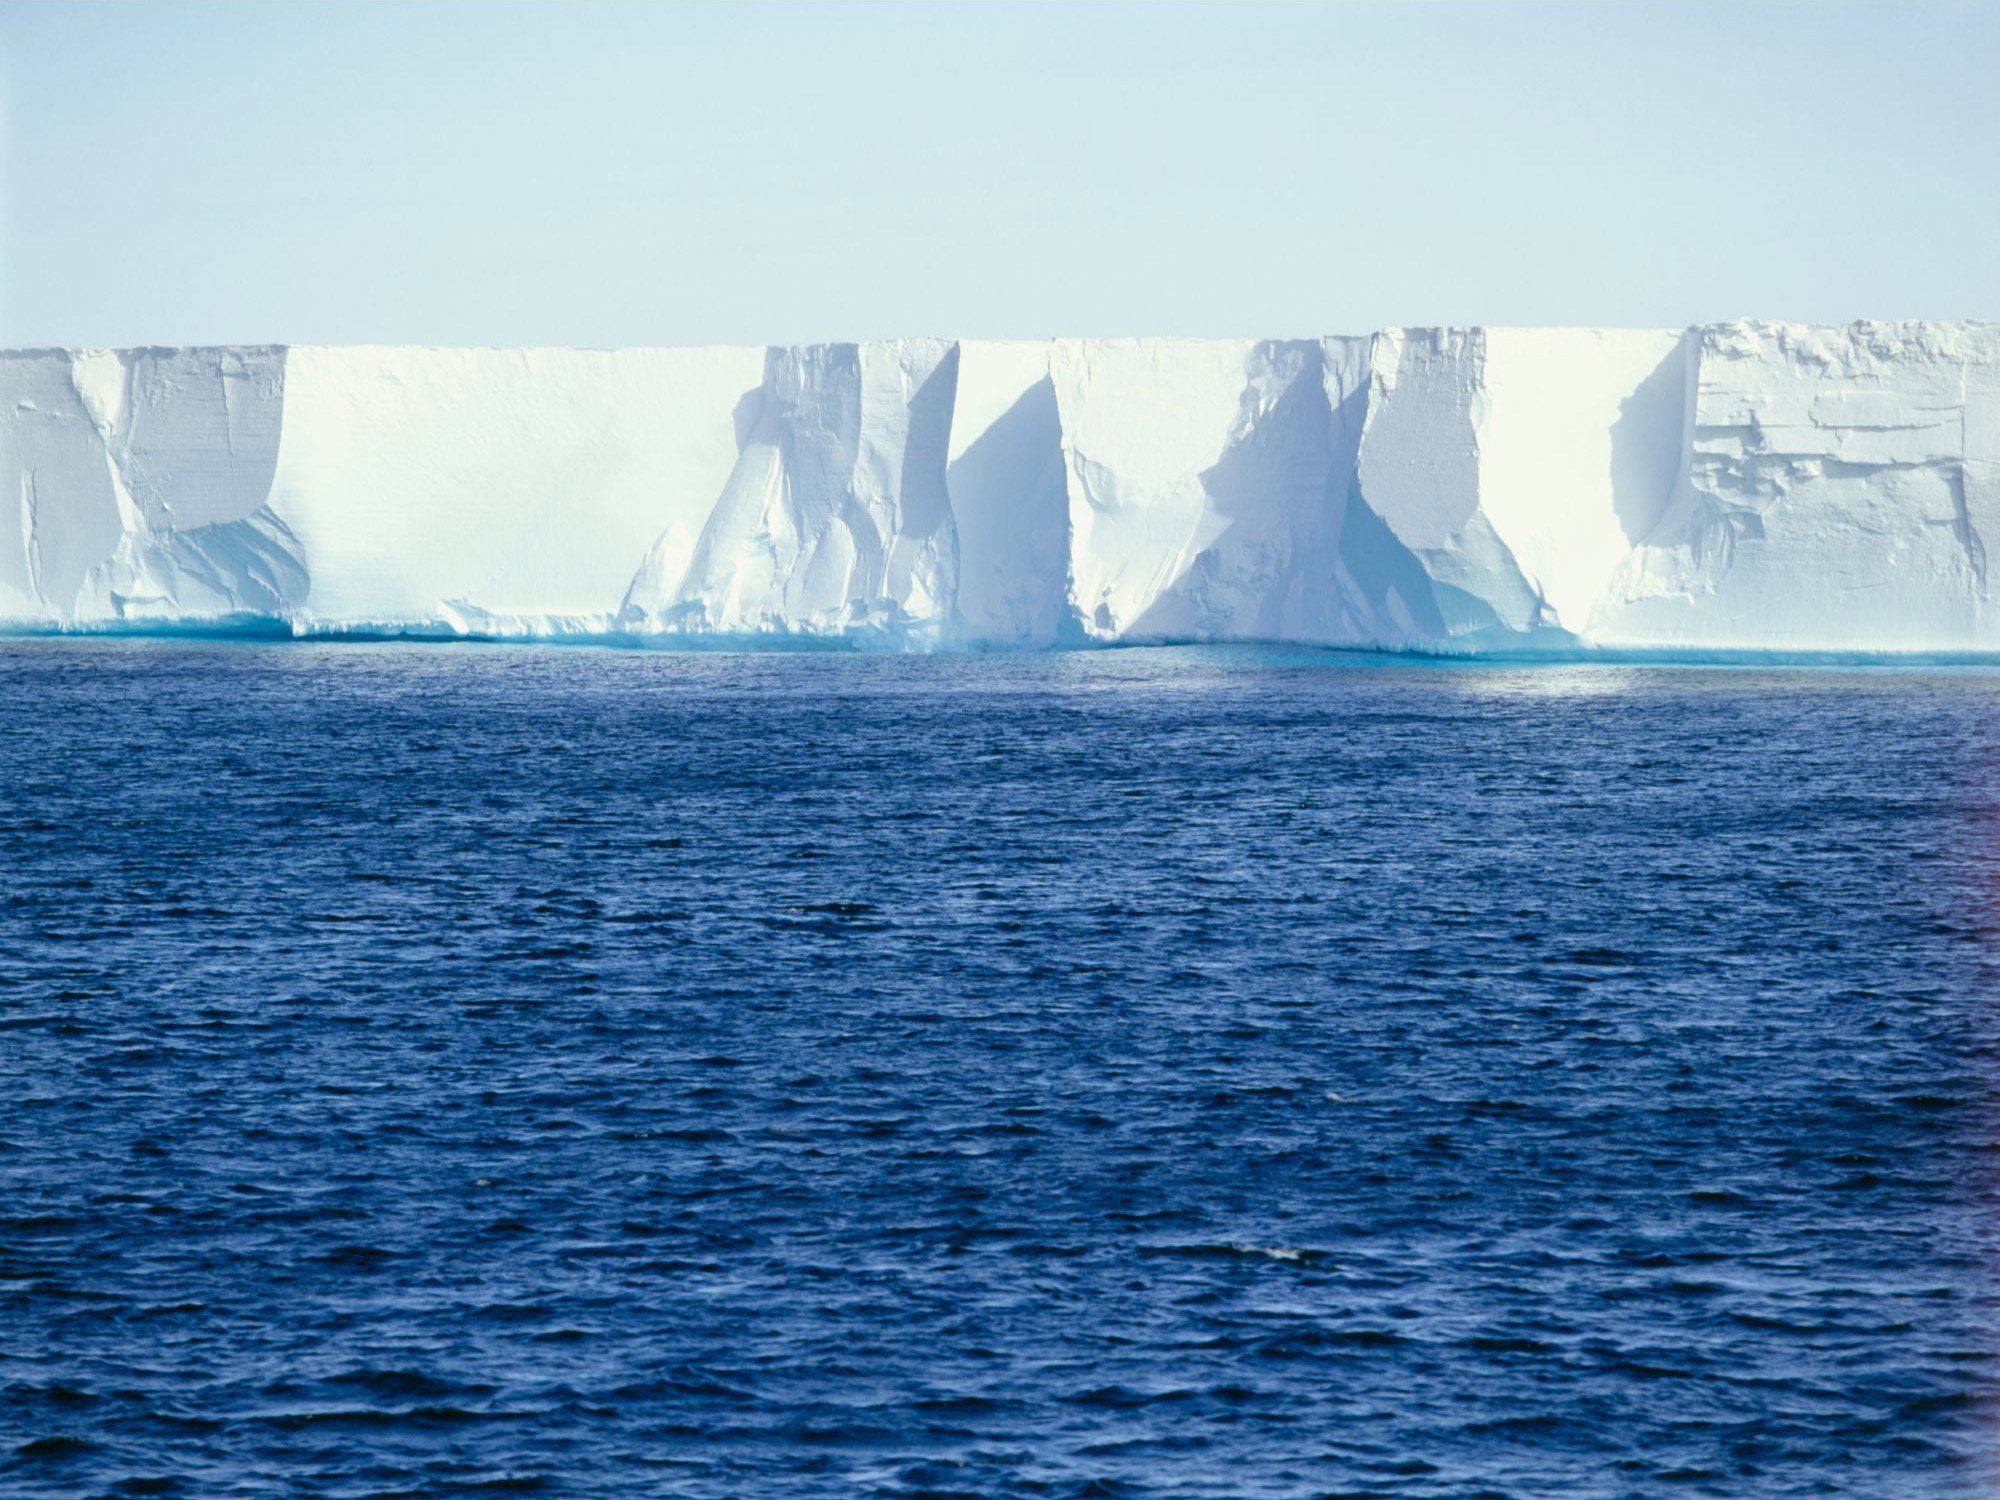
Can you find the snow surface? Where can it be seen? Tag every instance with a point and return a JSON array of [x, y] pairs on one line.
[[1736, 486]]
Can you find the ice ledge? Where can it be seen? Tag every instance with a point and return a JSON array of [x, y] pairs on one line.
[[1737, 487]]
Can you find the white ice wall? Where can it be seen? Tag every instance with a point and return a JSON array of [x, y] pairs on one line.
[[1009, 499], [1201, 504], [834, 518], [498, 488], [140, 477], [1737, 486], [1578, 445], [1836, 491]]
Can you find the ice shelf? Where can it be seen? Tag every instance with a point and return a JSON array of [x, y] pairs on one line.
[[1735, 486]]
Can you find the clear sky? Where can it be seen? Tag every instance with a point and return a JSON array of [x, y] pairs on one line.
[[748, 174]]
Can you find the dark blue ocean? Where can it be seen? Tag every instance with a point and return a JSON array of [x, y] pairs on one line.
[[455, 1070]]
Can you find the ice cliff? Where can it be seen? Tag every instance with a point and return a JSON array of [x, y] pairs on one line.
[[1732, 486]]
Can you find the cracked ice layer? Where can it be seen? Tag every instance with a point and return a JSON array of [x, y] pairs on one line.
[[1734, 486], [1834, 489]]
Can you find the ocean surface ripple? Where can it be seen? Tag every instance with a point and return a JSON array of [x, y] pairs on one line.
[[439, 1071]]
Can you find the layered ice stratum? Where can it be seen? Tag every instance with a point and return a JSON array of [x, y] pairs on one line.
[[1753, 486]]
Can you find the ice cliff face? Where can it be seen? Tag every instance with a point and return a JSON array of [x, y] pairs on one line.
[[1834, 488], [142, 478], [835, 516], [1735, 486]]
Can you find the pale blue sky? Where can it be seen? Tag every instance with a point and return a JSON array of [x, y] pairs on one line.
[[628, 174]]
